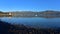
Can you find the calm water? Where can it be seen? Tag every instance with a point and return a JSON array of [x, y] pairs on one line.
[[34, 22]]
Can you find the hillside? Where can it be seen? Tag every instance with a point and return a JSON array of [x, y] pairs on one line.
[[45, 14]]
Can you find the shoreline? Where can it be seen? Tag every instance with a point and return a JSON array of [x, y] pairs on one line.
[[21, 29]]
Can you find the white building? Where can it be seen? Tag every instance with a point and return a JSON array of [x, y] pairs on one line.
[[10, 13]]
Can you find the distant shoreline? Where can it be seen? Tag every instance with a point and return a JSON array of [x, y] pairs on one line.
[[44, 14]]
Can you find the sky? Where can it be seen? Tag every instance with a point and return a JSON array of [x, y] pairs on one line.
[[29, 5]]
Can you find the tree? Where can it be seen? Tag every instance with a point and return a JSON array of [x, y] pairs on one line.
[[1, 12]]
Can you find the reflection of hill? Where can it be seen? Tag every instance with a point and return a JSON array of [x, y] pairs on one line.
[[6, 28], [50, 16]]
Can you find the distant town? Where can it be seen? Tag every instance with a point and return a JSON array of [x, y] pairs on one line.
[[46, 14]]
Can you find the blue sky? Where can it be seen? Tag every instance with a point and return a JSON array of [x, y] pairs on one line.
[[32, 5]]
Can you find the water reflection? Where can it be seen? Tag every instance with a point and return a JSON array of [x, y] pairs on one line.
[[34, 22]]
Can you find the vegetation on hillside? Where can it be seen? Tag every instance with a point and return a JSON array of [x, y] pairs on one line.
[[45, 14]]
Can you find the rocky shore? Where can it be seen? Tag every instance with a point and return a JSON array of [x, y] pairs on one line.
[[7, 28]]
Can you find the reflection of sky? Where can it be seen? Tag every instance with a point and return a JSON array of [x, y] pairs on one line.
[[12, 5], [45, 22]]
